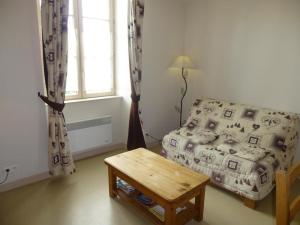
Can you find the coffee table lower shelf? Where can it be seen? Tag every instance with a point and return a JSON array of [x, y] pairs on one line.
[[181, 218]]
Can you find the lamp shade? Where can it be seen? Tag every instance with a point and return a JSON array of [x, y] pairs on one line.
[[183, 62]]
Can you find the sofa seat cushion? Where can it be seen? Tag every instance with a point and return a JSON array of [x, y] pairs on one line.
[[196, 136], [252, 179], [247, 178], [245, 151]]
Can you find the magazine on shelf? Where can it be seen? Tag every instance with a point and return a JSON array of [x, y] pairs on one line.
[[128, 189], [159, 211]]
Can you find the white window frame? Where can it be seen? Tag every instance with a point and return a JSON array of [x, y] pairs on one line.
[[80, 67]]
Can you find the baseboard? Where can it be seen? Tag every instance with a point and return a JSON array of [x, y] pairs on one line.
[[24, 181], [97, 151], [45, 175]]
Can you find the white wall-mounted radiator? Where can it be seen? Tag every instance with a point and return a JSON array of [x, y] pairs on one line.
[[89, 134]]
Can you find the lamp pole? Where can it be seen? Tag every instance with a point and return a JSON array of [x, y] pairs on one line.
[[183, 94]]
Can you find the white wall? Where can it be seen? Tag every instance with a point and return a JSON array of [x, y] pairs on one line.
[[163, 40], [23, 129], [247, 51], [122, 63]]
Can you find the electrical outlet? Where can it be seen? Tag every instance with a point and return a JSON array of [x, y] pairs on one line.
[[10, 168]]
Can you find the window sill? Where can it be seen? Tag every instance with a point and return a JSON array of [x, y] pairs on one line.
[[92, 99]]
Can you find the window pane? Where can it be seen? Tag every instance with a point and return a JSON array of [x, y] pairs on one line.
[[71, 7], [96, 9], [72, 39], [72, 78], [97, 54], [96, 38], [98, 75]]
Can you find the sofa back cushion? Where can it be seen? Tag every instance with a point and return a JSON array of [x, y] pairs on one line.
[[240, 123]]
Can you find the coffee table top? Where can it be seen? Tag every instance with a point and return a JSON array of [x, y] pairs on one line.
[[164, 177]]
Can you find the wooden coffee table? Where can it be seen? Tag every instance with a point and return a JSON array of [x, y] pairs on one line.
[[167, 183]]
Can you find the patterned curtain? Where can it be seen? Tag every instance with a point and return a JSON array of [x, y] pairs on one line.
[[55, 52], [135, 28]]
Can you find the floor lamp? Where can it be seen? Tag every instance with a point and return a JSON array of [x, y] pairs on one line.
[[183, 63]]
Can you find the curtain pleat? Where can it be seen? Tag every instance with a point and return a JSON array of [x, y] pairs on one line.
[[135, 28], [55, 54]]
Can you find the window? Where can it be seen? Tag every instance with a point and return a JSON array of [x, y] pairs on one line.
[[91, 49]]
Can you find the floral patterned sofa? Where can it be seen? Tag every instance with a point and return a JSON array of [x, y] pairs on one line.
[[239, 146]]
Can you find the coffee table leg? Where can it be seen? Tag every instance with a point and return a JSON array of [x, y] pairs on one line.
[[199, 205], [170, 216], [112, 179]]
